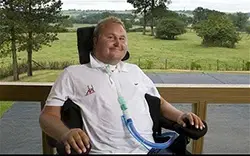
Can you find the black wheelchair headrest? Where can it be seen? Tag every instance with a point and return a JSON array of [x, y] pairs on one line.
[[85, 44]]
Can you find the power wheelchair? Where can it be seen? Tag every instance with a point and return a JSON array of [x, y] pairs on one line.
[[71, 114]]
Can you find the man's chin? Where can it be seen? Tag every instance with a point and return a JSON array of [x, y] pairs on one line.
[[116, 56], [115, 60], [115, 52]]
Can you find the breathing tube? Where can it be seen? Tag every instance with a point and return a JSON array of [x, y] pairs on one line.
[[127, 120]]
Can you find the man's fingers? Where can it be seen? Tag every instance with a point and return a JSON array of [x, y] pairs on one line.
[[74, 145], [76, 139], [79, 142], [190, 118], [201, 124], [196, 121], [67, 147], [85, 139], [193, 119], [181, 122]]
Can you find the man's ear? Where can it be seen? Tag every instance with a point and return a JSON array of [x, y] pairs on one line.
[[94, 41]]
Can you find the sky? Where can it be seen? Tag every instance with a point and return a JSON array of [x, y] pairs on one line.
[[219, 5]]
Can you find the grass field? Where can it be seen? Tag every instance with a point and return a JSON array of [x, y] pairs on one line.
[[4, 106], [179, 53]]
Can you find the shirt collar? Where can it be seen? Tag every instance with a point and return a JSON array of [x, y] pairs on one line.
[[95, 63]]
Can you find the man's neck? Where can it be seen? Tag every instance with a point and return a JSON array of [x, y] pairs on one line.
[[112, 67]]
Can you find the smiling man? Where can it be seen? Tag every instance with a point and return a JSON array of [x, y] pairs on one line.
[[96, 87]]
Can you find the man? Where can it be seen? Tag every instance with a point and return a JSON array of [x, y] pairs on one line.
[[95, 87]]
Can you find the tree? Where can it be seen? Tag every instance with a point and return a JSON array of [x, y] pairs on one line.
[[217, 30], [42, 20], [5, 48], [67, 23], [127, 24], [240, 20], [153, 10], [169, 28], [141, 7], [248, 29], [200, 14], [186, 19], [159, 13], [10, 31], [27, 25], [162, 12], [149, 9]]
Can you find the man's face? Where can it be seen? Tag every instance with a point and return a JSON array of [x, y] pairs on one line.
[[111, 44]]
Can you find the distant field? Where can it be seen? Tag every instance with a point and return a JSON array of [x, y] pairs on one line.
[[75, 26], [152, 53]]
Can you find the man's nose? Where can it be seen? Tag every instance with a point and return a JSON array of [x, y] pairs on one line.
[[117, 42]]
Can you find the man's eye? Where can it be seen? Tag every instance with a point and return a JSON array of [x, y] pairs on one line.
[[122, 38], [110, 37]]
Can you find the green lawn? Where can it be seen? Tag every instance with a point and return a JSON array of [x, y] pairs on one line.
[[179, 53], [4, 106]]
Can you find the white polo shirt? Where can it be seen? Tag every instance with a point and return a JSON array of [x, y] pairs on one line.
[[94, 91]]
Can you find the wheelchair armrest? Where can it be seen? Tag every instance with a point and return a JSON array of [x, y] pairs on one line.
[[189, 131]]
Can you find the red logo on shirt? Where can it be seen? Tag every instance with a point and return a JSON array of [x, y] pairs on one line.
[[90, 90]]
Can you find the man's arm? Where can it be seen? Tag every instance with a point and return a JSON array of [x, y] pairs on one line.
[[50, 122], [169, 111]]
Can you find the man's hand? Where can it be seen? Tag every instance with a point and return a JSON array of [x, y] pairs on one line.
[[192, 118], [77, 139]]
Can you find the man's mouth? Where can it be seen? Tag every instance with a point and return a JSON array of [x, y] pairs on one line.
[[115, 49]]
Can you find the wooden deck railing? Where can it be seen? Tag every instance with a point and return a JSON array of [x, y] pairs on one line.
[[198, 95]]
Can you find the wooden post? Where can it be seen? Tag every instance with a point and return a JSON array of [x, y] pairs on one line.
[[200, 109], [46, 148], [166, 63], [217, 64]]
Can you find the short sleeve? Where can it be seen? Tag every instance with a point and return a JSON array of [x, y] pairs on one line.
[[150, 86], [61, 90]]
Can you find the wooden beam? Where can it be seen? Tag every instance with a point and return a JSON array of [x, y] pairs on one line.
[[14, 91], [182, 93], [200, 109], [223, 94]]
